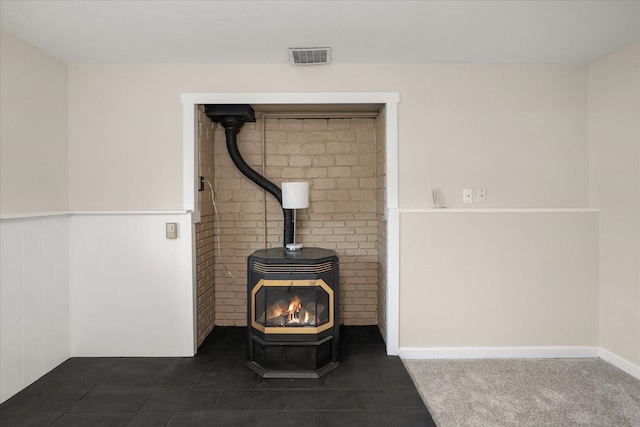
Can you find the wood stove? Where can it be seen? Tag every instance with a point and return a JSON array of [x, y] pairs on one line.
[[292, 310], [292, 295]]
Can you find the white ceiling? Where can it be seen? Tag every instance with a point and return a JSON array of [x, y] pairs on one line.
[[259, 32]]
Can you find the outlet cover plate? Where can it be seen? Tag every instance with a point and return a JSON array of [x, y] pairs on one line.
[[481, 195]]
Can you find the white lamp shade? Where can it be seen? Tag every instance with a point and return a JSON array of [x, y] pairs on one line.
[[295, 195]]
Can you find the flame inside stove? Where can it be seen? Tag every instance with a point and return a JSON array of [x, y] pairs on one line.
[[283, 313], [294, 310]]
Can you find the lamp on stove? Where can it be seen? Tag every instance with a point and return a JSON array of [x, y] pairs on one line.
[[295, 195]]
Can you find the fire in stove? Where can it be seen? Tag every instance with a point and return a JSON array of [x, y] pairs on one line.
[[292, 306], [293, 313]]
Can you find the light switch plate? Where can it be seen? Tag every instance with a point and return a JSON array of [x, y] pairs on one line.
[[171, 231], [467, 195]]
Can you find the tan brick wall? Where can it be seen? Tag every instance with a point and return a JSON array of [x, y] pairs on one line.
[[339, 159], [241, 208], [205, 237], [381, 242]]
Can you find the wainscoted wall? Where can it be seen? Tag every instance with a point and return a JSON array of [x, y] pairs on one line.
[[614, 144], [132, 289], [34, 299]]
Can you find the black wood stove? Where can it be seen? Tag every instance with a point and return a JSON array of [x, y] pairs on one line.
[[292, 311], [292, 295]]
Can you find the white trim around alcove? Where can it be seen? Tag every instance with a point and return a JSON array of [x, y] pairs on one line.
[[390, 100]]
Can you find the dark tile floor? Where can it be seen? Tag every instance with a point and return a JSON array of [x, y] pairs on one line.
[[216, 388]]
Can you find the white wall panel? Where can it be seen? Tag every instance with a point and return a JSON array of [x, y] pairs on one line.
[[62, 300], [132, 288], [56, 310], [11, 319], [33, 300], [34, 294]]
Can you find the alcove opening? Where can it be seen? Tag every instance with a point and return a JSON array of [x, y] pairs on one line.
[[340, 149]]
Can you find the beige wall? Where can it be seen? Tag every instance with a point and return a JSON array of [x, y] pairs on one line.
[[499, 279], [614, 142], [519, 131], [33, 131]]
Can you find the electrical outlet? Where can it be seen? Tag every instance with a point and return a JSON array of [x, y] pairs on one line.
[[467, 195], [481, 195]]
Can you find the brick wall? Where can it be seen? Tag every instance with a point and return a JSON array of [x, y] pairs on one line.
[[241, 208], [339, 159], [205, 237]]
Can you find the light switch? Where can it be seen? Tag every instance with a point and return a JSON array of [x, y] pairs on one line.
[[467, 195], [172, 230]]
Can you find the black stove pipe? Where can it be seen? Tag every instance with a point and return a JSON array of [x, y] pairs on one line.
[[232, 125]]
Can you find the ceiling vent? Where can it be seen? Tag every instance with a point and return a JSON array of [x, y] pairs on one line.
[[309, 55]]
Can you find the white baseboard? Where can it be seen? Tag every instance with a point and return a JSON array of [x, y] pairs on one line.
[[498, 352], [559, 352], [620, 362]]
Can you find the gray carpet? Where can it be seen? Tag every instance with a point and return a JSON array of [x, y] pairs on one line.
[[527, 392]]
